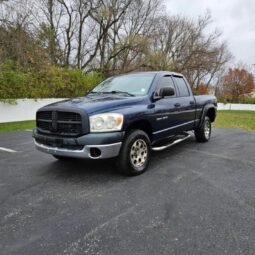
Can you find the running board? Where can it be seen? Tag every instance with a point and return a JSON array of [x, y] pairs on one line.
[[171, 144]]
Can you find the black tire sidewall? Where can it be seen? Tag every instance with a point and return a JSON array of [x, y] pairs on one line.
[[200, 132], [124, 158], [207, 119]]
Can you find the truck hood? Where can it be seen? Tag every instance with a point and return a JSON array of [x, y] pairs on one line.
[[98, 103]]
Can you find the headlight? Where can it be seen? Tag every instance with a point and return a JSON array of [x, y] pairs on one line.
[[106, 122]]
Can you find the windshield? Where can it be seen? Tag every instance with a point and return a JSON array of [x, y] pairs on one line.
[[131, 84]]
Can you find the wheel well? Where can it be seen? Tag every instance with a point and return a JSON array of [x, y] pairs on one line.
[[211, 113], [142, 125]]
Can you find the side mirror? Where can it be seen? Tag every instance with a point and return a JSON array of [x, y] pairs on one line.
[[166, 92]]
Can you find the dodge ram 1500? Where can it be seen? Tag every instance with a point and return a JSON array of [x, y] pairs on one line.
[[126, 117]]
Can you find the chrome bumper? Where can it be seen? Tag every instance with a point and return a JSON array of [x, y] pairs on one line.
[[107, 150]]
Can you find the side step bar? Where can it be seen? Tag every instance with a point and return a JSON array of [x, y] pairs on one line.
[[172, 143]]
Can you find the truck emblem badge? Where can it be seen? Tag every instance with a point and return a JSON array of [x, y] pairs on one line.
[[54, 125], [162, 118]]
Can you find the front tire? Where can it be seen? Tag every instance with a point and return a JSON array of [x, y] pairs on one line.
[[203, 133], [135, 153]]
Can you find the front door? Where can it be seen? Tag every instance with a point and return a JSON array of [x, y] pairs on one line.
[[167, 111]]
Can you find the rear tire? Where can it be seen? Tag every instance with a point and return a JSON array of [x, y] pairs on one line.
[[135, 153], [203, 133]]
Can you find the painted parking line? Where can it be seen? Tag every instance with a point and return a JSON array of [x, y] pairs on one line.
[[7, 150]]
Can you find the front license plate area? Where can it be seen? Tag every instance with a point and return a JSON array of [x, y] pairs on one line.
[[53, 142]]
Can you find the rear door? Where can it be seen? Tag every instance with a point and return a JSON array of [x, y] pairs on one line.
[[187, 106]]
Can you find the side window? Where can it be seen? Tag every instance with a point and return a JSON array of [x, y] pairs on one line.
[[166, 81], [182, 86]]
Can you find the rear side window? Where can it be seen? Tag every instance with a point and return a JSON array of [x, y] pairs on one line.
[[166, 81], [182, 86]]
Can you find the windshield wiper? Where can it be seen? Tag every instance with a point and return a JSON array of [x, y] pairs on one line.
[[119, 92], [112, 92], [94, 92]]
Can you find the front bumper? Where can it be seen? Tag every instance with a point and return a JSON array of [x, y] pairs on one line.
[[93, 146]]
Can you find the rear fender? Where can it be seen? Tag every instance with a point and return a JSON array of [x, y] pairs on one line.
[[205, 112]]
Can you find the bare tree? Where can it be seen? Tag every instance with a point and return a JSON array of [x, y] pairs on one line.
[[125, 34], [118, 36], [186, 46], [48, 28]]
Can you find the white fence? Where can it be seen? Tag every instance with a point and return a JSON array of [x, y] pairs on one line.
[[243, 107], [25, 109]]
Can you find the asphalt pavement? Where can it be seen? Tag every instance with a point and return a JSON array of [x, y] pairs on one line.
[[194, 199]]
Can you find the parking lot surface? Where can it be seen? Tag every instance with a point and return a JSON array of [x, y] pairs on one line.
[[194, 199]]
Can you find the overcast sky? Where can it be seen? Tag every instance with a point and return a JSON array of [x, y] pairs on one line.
[[235, 18]]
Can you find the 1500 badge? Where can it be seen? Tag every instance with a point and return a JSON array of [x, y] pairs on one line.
[[162, 118]]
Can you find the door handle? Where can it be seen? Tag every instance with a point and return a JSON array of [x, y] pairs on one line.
[[192, 102], [177, 105]]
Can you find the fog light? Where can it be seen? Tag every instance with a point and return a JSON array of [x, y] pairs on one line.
[[95, 152]]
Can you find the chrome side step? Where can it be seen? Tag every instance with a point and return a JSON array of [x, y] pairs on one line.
[[172, 143]]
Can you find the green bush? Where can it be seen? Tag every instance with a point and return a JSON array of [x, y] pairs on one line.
[[45, 83], [250, 100]]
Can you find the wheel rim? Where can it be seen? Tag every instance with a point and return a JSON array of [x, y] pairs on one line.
[[207, 129], [138, 153]]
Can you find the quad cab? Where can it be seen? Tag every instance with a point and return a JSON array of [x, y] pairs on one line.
[[125, 117]]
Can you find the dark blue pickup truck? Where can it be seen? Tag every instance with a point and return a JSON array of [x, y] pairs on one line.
[[126, 117]]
